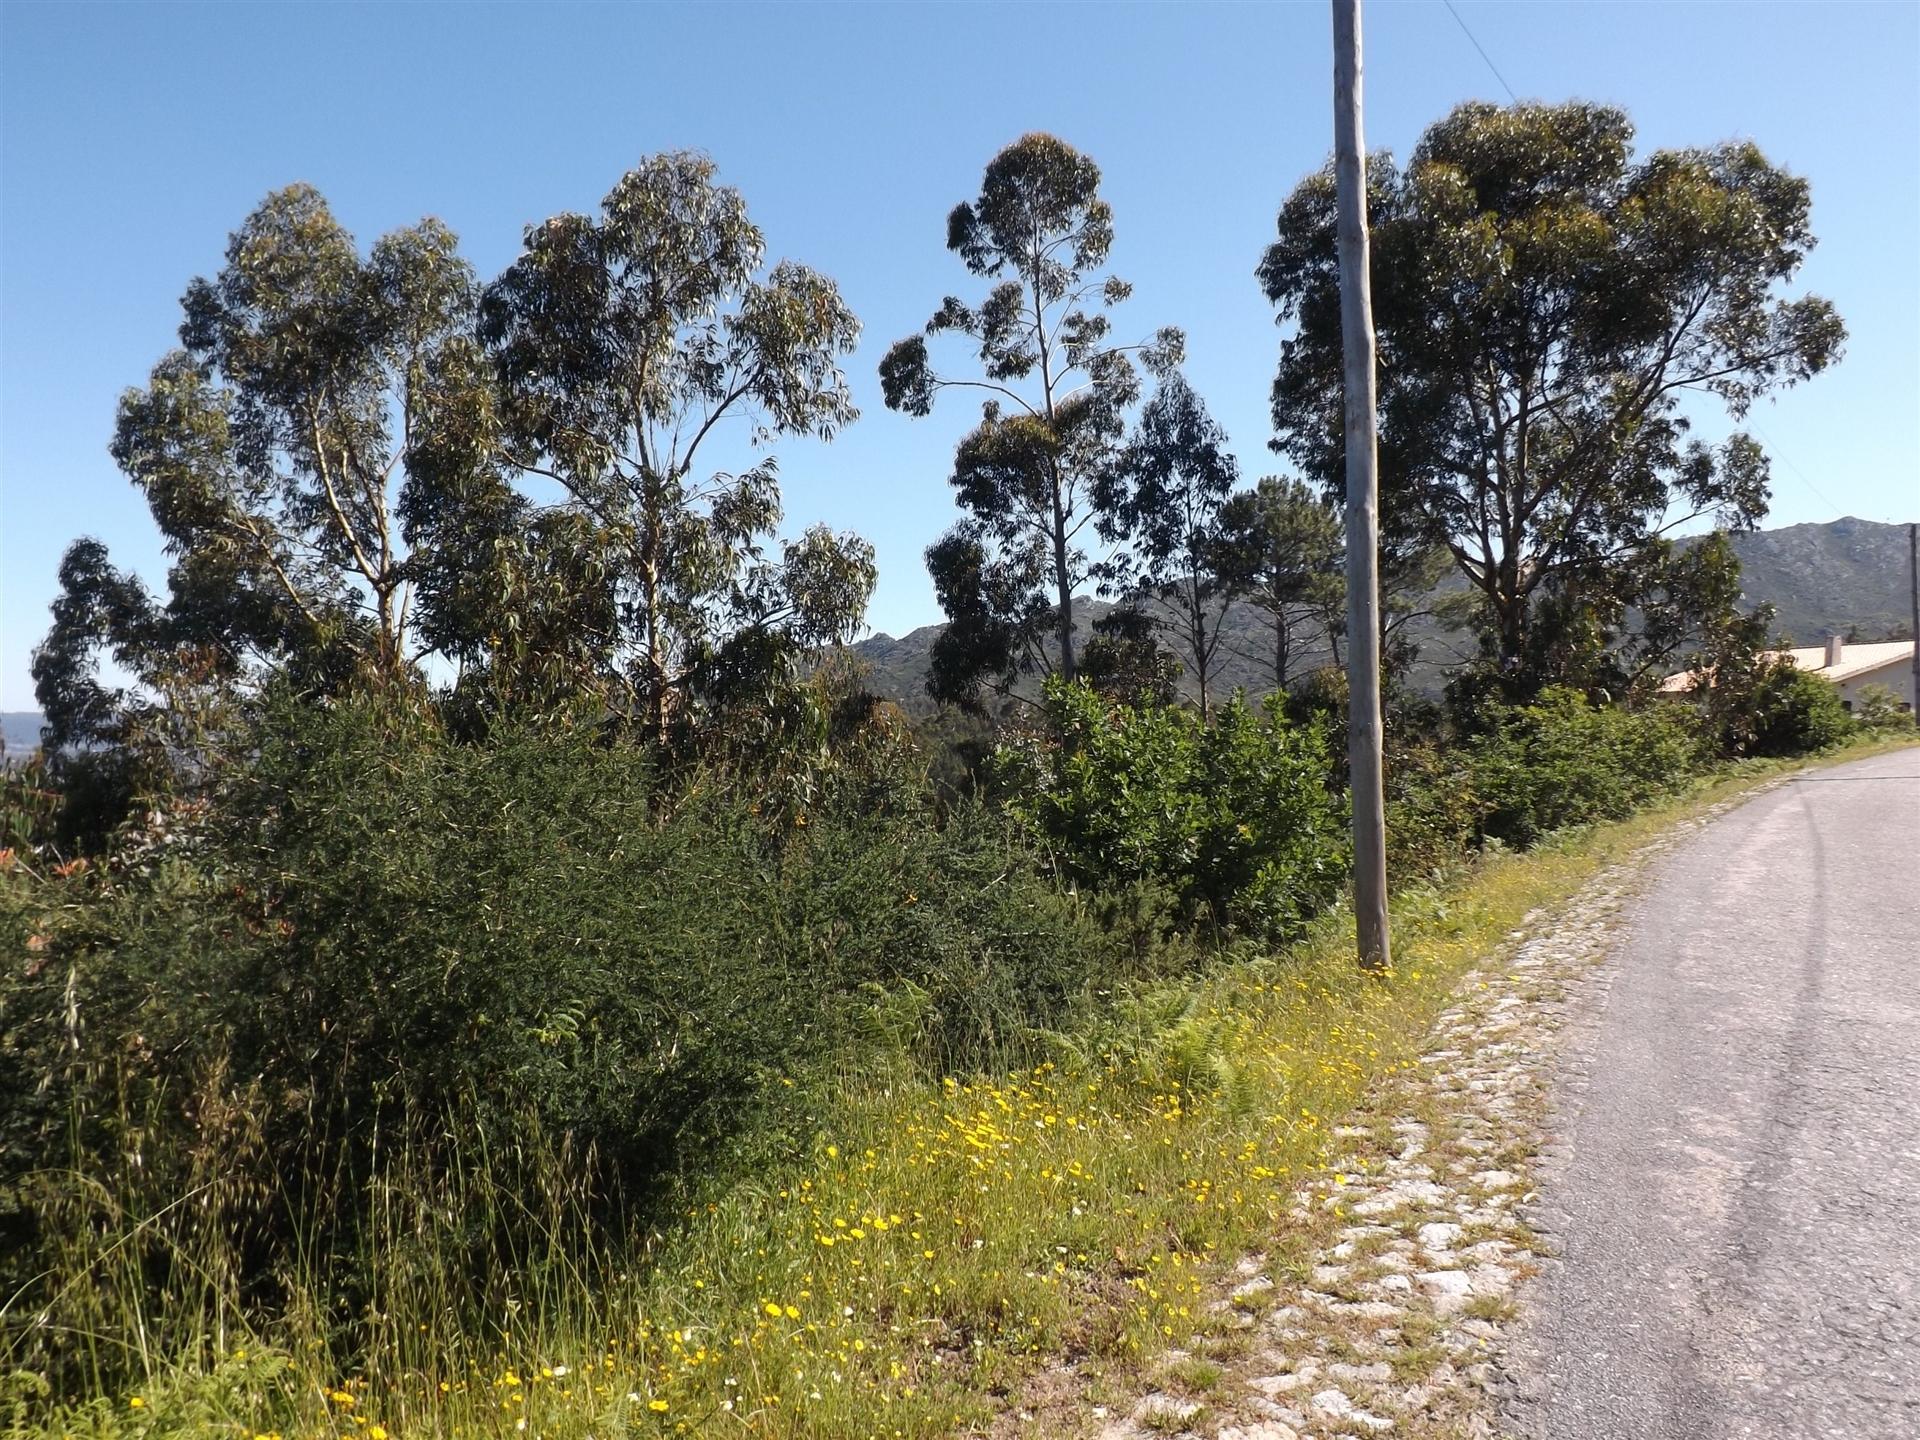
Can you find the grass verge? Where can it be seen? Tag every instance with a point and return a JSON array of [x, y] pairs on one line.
[[941, 1240]]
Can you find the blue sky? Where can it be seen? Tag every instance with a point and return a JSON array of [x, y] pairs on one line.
[[134, 138]]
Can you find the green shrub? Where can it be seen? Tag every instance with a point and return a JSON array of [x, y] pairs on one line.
[[536, 923], [1235, 819], [1881, 709], [1433, 812], [391, 949], [1562, 761], [1786, 711]]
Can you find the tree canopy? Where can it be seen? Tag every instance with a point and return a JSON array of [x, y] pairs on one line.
[[345, 456], [279, 450], [1543, 304], [1058, 389], [624, 344], [1281, 549], [556, 491], [1165, 497]]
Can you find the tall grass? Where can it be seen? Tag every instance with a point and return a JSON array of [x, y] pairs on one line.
[[897, 1269], [932, 1240]]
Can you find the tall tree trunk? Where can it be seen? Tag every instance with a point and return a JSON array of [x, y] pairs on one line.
[[1062, 576], [1197, 637], [1511, 617], [656, 641], [1510, 613], [1062, 582], [391, 647]]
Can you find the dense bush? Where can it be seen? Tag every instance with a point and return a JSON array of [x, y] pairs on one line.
[[387, 940], [1881, 709], [1235, 819], [1433, 813], [1563, 761], [390, 996], [1788, 711]]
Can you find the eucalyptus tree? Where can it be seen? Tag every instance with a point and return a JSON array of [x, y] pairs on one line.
[[1281, 550], [277, 449], [1686, 603], [1057, 392], [1164, 501], [105, 743], [627, 346], [1124, 660], [1690, 606], [1543, 302]]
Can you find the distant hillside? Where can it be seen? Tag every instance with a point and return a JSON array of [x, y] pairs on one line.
[[899, 666], [1828, 577], [20, 729], [1819, 578], [1842, 574]]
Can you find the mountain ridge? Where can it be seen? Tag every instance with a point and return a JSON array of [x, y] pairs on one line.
[[1820, 577]]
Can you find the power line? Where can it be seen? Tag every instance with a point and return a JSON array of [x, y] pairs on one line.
[[1483, 53], [1774, 450]]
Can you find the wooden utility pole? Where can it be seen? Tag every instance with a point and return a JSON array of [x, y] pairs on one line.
[[1364, 759], [1913, 588]]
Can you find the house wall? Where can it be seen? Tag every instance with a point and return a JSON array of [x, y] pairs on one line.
[[1897, 677]]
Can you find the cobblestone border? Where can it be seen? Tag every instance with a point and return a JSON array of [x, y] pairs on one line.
[[1393, 1317]]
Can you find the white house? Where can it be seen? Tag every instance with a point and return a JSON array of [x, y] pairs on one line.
[[1849, 668]]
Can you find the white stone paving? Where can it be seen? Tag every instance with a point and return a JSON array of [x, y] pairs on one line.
[[1396, 1326]]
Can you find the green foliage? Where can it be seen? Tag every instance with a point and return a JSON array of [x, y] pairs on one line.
[[1563, 761], [373, 1005], [389, 941], [1433, 811], [278, 450], [1690, 601], [335, 458], [1235, 818], [1545, 300], [1281, 551], [1880, 709], [1783, 710], [622, 342], [1033, 1230], [1124, 660], [279, 446], [955, 744], [1025, 477], [1166, 497], [29, 804], [1661, 608]]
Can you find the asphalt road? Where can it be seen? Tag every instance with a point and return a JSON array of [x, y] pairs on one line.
[[1732, 1180]]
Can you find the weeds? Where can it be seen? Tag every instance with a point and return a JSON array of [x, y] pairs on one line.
[[927, 1245]]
